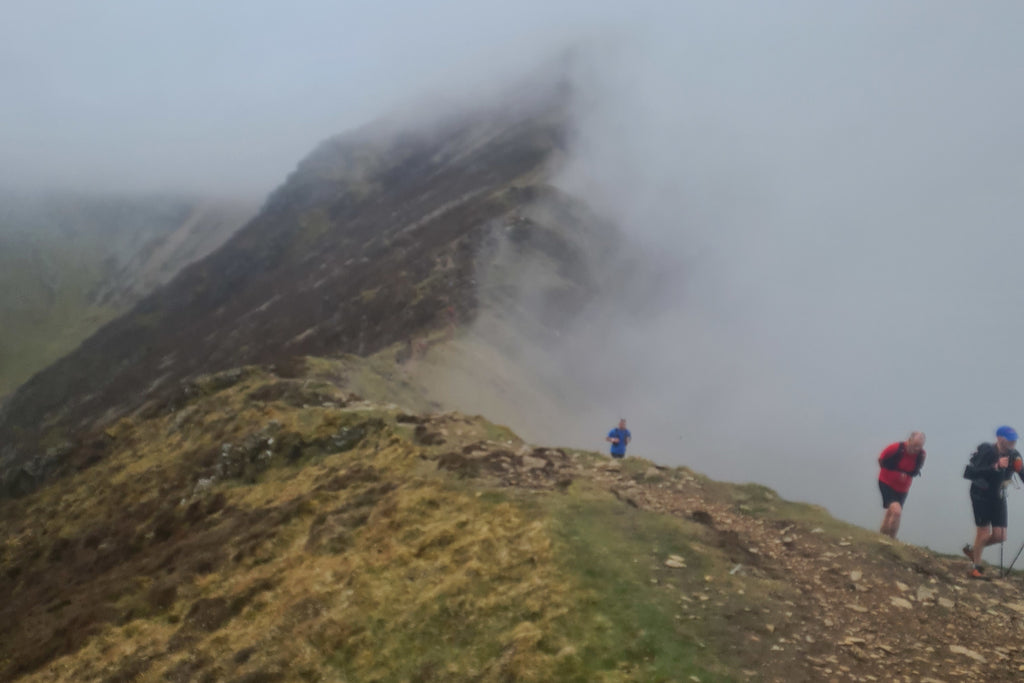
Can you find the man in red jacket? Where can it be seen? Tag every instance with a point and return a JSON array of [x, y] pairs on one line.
[[900, 463]]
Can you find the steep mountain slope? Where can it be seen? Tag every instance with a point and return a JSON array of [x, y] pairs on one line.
[[375, 240], [267, 528], [69, 263]]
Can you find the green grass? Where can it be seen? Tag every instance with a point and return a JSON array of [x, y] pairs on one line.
[[38, 328], [527, 587], [627, 625]]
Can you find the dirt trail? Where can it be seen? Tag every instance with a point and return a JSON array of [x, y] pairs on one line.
[[890, 611], [831, 608]]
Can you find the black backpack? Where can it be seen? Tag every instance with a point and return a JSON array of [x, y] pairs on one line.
[[979, 467], [892, 462], [977, 461]]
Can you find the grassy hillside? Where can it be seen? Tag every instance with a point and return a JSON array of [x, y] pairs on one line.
[[283, 526], [46, 306], [70, 263], [276, 527]]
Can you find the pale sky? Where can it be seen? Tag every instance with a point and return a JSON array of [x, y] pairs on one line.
[[231, 95], [843, 189], [841, 185]]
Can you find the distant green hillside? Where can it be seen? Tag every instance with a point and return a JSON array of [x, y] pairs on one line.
[[70, 263], [46, 308]]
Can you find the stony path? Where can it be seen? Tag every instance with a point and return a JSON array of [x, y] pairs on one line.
[[853, 613], [801, 603]]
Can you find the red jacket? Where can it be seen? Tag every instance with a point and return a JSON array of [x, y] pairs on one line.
[[896, 462]]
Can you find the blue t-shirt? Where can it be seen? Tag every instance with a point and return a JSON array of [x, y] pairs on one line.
[[623, 436]]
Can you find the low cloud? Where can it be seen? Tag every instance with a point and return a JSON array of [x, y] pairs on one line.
[[837, 189]]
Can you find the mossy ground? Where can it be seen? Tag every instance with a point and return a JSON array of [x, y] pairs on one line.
[[627, 623], [278, 527], [242, 541]]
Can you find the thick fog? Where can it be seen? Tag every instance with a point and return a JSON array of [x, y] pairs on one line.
[[839, 187], [842, 189], [228, 97]]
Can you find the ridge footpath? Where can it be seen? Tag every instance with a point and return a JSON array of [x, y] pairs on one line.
[[267, 524]]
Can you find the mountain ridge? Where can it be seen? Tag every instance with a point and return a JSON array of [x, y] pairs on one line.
[[288, 283]]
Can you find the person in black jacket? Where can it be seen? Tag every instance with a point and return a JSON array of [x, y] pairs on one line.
[[990, 470]]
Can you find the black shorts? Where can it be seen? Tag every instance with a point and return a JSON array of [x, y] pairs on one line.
[[889, 496], [989, 510]]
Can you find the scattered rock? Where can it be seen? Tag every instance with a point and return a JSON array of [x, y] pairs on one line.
[[1016, 607], [531, 463], [961, 650], [901, 603], [675, 561]]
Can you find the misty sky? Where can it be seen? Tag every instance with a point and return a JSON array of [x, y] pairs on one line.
[[840, 185], [232, 95], [843, 190]]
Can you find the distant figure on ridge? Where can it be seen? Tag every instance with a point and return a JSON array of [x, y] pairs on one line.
[[900, 463], [990, 470], [619, 439]]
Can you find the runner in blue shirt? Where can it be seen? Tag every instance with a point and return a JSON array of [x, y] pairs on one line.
[[618, 438]]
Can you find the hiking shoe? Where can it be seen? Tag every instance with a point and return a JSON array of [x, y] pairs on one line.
[[968, 551], [977, 573]]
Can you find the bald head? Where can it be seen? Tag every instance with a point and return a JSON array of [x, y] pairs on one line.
[[915, 442]]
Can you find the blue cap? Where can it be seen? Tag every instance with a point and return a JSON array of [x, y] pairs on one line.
[[1008, 433]]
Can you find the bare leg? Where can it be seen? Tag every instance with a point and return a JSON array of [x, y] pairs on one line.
[[891, 521], [981, 539]]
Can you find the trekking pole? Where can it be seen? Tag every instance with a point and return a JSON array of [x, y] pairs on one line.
[[1014, 560], [1006, 572]]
